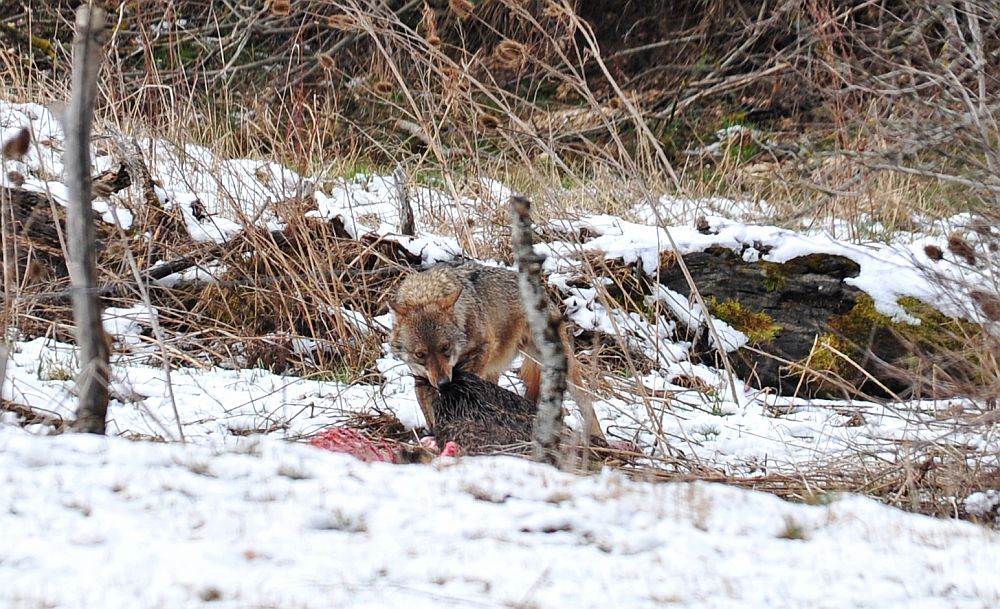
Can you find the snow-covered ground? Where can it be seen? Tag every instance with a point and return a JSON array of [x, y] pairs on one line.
[[243, 516], [103, 522]]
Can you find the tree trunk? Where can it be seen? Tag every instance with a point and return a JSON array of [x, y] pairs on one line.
[[92, 381], [544, 324], [407, 223]]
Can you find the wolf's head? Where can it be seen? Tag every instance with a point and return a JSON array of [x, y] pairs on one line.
[[428, 334]]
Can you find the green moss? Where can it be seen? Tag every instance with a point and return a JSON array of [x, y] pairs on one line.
[[43, 45], [759, 327], [736, 119], [339, 372], [353, 167], [793, 530], [825, 264], [824, 357], [862, 321], [54, 372], [858, 324], [432, 177], [741, 152], [774, 276], [58, 367], [935, 327], [739, 147], [181, 54], [633, 301], [863, 327]]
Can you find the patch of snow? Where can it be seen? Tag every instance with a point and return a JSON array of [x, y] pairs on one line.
[[367, 198], [496, 193], [209, 227], [984, 503], [127, 324], [693, 316], [44, 156]]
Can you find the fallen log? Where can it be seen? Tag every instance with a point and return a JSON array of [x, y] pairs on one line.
[[811, 334]]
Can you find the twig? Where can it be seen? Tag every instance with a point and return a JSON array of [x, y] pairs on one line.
[[307, 74], [733, 82], [416, 131]]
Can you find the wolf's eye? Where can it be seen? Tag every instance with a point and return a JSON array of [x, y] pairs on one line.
[[446, 349], [420, 354]]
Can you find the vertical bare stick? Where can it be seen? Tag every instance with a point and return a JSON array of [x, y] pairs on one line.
[[14, 149], [92, 381], [545, 325], [407, 224]]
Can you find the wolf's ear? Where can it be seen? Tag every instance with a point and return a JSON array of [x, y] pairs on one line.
[[447, 302]]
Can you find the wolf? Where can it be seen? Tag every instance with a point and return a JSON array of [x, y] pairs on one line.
[[467, 316]]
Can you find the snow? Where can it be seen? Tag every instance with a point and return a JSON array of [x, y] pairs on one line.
[[43, 158], [127, 324], [245, 515], [218, 230], [376, 197], [888, 271], [983, 503], [693, 316], [92, 521]]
